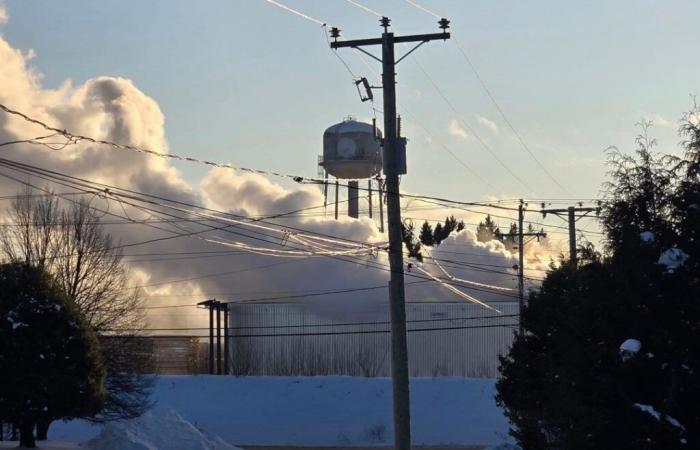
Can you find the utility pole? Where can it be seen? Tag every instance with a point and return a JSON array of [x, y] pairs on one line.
[[218, 338], [394, 161], [521, 260], [224, 306], [210, 305], [571, 218]]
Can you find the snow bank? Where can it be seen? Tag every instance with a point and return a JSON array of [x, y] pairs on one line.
[[673, 258], [324, 411], [647, 236], [43, 445], [657, 415], [629, 348], [157, 429]]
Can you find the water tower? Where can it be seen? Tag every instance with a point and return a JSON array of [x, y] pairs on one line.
[[352, 151]]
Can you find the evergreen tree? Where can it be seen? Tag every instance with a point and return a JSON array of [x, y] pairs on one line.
[[426, 234], [409, 240], [49, 355], [450, 225], [438, 234], [486, 230], [511, 241], [567, 383], [95, 277], [460, 225]]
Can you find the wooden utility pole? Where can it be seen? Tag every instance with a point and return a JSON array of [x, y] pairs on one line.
[[521, 260], [571, 218], [394, 161]]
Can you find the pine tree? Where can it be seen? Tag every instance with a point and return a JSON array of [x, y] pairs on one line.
[[438, 234], [450, 225], [426, 234], [565, 383], [486, 230], [409, 240], [49, 355]]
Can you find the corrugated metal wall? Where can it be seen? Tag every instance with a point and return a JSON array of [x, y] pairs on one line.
[[444, 339]]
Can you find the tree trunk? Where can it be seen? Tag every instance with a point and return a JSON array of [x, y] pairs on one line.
[[26, 435], [42, 429]]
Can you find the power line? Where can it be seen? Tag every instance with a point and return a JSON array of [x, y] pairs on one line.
[[297, 178], [495, 103], [364, 8], [328, 333], [505, 118], [296, 13], [470, 128], [33, 169], [424, 9]]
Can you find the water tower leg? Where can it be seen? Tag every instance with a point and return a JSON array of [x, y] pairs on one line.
[[353, 199], [381, 208], [336, 199], [369, 196]]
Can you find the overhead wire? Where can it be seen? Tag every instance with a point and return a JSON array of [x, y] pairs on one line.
[[471, 129], [296, 178], [493, 100], [296, 12], [363, 7], [351, 260]]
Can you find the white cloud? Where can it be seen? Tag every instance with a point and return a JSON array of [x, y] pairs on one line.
[[4, 17], [659, 120], [456, 130], [487, 123], [115, 109]]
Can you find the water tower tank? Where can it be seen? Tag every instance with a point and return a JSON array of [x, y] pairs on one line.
[[351, 150]]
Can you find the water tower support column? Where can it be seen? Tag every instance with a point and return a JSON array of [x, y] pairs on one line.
[[353, 199]]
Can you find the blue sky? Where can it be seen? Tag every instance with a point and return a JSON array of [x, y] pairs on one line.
[[247, 83]]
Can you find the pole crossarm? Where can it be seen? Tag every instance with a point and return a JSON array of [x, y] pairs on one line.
[[566, 210], [355, 43], [538, 234], [571, 217]]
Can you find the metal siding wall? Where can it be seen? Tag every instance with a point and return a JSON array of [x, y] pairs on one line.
[[265, 341]]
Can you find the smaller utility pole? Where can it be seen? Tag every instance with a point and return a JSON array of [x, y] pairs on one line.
[[218, 338], [210, 305], [224, 306], [521, 259], [571, 218]]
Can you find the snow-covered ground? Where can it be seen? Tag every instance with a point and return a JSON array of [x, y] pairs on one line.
[[312, 411]]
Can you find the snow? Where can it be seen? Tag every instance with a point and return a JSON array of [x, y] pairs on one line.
[[657, 415], [647, 236], [673, 258], [316, 411], [43, 445], [160, 428], [630, 348]]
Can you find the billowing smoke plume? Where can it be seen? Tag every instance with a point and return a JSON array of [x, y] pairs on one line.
[[114, 109]]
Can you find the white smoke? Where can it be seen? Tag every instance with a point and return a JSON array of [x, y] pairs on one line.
[[114, 109]]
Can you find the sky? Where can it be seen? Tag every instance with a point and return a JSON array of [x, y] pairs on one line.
[[248, 83], [253, 85]]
